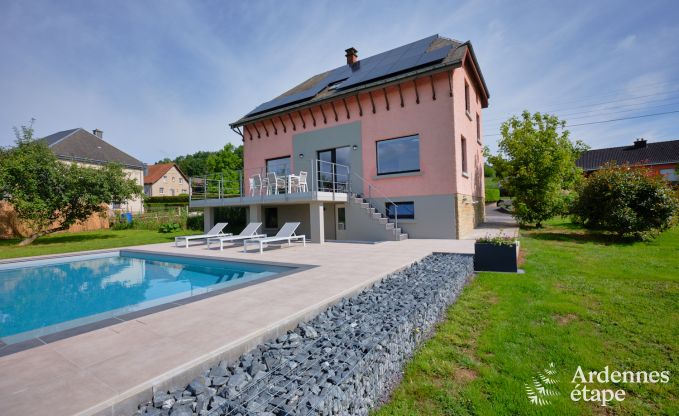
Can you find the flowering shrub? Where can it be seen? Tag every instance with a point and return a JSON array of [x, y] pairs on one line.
[[497, 240], [629, 201]]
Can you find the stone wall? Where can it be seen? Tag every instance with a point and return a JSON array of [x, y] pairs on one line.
[[343, 361], [469, 213]]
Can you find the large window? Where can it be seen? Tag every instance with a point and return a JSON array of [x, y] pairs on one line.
[[280, 166], [670, 174], [270, 217], [398, 155], [405, 210]]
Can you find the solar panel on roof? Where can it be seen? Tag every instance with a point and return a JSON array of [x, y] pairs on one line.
[[377, 66]]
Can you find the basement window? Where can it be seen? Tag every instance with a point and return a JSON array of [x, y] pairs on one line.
[[405, 210]]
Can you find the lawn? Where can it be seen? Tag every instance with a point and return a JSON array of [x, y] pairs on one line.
[[87, 240], [583, 301]]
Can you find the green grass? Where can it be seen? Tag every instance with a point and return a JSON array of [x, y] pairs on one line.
[[87, 240], [583, 301]]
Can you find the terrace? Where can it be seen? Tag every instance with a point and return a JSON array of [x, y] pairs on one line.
[[317, 180]]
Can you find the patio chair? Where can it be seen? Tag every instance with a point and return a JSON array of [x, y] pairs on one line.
[[286, 233], [248, 232], [301, 185], [251, 186], [275, 182], [215, 231]]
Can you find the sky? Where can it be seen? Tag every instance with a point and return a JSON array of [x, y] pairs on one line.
[[164, 78]]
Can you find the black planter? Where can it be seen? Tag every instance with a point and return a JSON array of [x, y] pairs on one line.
[[495, 258]]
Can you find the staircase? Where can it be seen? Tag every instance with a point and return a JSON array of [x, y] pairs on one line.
[[380, 225]]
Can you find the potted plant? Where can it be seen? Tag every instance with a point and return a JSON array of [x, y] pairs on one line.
[[498, 253]]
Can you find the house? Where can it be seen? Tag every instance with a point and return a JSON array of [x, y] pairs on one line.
[[660, 157], [89, 149], [165, 179], [389, 147]]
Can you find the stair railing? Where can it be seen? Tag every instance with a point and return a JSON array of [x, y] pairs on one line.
[[373, 189]]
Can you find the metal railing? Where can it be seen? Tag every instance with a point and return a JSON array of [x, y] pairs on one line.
[[370, 197], [321, 176]]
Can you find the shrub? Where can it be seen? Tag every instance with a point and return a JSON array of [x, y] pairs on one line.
[[492, 195], [631, 202], [169, 228], [195, 222]]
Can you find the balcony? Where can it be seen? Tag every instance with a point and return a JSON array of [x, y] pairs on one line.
[[317, 181]]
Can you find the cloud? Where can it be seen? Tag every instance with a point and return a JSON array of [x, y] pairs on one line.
[[628, 42]]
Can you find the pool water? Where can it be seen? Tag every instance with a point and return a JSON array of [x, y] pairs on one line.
[[47, 296]]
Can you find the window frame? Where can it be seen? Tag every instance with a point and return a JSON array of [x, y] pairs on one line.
[[478, 128], [400, 216], [377, 156], [161, 190], [463, 153], [467, 101]]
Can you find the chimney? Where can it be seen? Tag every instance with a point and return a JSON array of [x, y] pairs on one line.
[[98, 133], [639, 143], [352, 56]]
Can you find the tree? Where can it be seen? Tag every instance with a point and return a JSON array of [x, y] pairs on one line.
[[629, 201], [536, 164], [48, 195]]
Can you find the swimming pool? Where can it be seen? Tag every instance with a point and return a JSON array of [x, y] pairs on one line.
[[43, 297]]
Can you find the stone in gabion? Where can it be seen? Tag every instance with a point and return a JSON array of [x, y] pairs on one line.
[[341, 362]]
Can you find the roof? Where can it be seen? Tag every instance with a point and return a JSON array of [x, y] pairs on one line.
[[652, 154], [155, 172], [424, 55], [82, 146]]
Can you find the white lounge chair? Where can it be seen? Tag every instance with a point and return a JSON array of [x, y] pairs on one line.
[[215, 231], [286, 233], [248, 232]]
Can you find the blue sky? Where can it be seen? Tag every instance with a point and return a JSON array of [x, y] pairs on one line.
[[164, 78]]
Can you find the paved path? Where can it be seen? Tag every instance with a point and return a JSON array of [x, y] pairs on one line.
[[496, 222]]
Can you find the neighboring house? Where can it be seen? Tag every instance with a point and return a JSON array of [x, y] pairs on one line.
[[391, 145], [89, 149], [165, 179], [660, 157]]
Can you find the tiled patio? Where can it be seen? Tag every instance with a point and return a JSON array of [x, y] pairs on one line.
[[109, 370]]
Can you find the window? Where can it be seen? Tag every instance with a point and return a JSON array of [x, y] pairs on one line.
[[341, 218], [398, 155], [280, 166], [464, 156], [406, 210], [466, 96], [670, 174], [270, 217], [164, 178], [173, 179], [181, 180], [184, 191], [478, 128], [161, 190]]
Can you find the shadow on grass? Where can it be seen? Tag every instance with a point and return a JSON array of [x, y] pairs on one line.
[[581, 238]]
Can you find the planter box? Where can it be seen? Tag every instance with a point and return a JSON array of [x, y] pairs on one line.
[[494, 258]]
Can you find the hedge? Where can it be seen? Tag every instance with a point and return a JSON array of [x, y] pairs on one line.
[[167, 199], [492, 195]]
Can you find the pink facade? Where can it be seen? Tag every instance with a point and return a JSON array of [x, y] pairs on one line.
[[440, 120]]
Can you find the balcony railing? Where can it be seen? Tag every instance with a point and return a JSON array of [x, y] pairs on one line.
[[316, 176]]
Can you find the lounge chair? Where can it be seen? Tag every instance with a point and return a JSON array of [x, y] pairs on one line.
[[215, 231], [286, 233], [248, 232]]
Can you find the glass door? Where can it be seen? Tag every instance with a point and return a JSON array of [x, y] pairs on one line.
[[333, 169]]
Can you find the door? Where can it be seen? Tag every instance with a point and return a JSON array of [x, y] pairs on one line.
[[341, 221], [334, 169]]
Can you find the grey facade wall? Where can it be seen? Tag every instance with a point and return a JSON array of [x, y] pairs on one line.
[[435, 216], [289, 213], [309, 143]]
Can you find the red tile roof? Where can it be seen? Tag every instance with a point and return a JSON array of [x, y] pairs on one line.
[[155, 172]]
